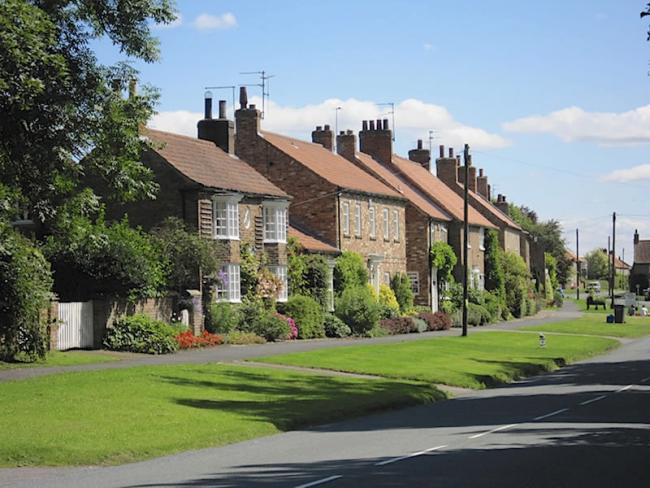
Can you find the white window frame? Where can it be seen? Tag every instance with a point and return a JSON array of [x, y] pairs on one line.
[[280, 272], [372, 221], [225, 217], [414, 278], [357, 220], [396, 226], [481, 238], [274, 216], [230, 291], [385, 216], [346, 218]]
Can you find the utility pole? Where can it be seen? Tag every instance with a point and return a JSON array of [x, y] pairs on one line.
[[465, 240], [609, 269], [613, 254], [336, 125], [577, 266]]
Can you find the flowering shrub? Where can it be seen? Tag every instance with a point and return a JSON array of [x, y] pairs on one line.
[[139, 333], [187, 340], [399, 325], [436, 321], [294, 328]]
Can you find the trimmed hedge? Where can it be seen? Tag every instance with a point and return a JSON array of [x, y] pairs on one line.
[[399, 325], [308, 314], [139, 333], [436, 321], [357, 308]]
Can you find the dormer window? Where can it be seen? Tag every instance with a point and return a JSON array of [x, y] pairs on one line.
[[275, 221], [226, 216]]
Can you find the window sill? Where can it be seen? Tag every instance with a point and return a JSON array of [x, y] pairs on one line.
[[225, 238], [274, 241], [481, 248], [227, 300]]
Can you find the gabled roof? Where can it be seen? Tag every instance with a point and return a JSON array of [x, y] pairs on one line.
[[332, 167], [208, 165], [498, 214], [311, 243], [642, 252], [438, 192], [400, 184], [620, 264]]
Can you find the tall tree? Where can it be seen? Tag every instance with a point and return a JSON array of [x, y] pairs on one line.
[[597, 264], [63, 114]]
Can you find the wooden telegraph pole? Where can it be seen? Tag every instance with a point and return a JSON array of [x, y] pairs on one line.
[[613, 255], [465, 240], [577, 267]]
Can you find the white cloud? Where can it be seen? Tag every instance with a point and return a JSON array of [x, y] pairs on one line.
[[574, 124], [177, 22], [427, 46], [635, 173], [209, 22], [413, 119]]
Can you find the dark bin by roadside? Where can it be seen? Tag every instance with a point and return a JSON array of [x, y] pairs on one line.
[[619, 314]]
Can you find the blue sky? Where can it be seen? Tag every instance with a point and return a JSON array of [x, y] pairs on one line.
[[552, 96]]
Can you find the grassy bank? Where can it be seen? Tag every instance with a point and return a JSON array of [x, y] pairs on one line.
[[594, 324], [64, 358], [480, 360], [119, 416]]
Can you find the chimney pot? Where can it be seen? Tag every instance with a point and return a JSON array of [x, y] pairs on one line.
[[349, 132], [222, 109], [371, 123], [451, 152], [342, 133], [327, 127], [243, 97], [378, 126], [419, 143], [442, 151], [480, 172], [252, 106], [364, 125], [319, 127], [386, 127], [207, 105]]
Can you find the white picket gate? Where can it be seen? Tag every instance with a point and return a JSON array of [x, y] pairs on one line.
[[75, 325]]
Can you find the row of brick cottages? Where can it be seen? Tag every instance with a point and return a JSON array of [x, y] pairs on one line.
[[256, 187]]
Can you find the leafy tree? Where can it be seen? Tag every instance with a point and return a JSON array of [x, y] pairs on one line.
[[25, 281], [350, 271], [308, 273], [187, 255], [63, 115], [517, 283], [596, 264], [494, 272]]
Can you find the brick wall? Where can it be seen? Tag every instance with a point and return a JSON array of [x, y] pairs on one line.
[[417, 252], [476, 257], [511, 241]]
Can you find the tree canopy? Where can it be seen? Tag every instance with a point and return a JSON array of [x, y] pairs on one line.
[[64, 115]]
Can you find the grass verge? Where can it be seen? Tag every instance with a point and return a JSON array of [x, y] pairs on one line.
[[119, 416], [480, 360], [63, 358], [595, 325]]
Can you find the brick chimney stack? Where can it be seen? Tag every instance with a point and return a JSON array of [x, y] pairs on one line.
[[482, 186], [346, 144], [377, 141], [447, 167], [221, 131], [421, 155], [247, 119], [502, 204], [323, 136]]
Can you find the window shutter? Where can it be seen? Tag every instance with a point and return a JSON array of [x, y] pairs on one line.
[[205, 218]]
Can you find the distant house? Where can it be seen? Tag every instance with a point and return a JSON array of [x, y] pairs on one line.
[[203, 183], [640, 272], [339, 203]]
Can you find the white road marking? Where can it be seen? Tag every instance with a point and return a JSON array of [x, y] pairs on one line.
[[542, 417], [402, 458], [587, 402], [319, 482], [645, 379], [503, 427], [624, 388]]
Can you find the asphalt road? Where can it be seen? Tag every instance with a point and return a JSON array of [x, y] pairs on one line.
[[584, 425]]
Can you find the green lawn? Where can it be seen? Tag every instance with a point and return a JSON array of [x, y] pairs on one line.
[[593, 324], [119, 416], [64, 358], [480, 360]]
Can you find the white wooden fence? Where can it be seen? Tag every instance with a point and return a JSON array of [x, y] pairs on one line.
[[75, 325]]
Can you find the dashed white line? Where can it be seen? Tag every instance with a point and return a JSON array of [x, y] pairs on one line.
[[321, 481], [645, 379], [402, 458], [587, 402], [624, 388], [542, 417], [503, 427]]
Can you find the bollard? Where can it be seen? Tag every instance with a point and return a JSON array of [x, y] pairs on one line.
[[542, 340]]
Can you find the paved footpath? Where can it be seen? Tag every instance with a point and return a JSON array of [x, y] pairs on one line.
[[238, 353], [587, 424]]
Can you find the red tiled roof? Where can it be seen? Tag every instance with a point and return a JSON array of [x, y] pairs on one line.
[[205, 163], [311, 243], [642, 252], [332, 167], [487, 205], [438, 192], [400, 184], [620, 264]]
